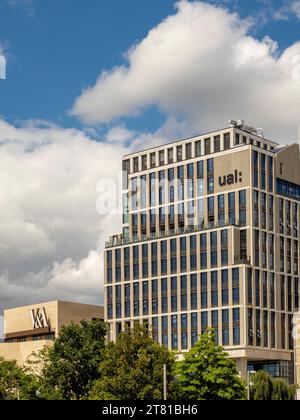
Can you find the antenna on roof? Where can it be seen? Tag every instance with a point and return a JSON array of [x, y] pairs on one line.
[[242, 126]]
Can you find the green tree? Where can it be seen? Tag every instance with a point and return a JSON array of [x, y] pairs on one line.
[[280, 390], [16, 382], [70, 366], [207, 373], [262, 386], [132, 369]]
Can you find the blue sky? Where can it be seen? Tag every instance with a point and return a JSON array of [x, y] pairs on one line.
[[110, 76], [56, 48]]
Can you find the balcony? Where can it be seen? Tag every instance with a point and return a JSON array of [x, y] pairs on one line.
[[120, 240]]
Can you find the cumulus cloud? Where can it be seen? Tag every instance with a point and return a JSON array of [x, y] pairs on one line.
[[202, 63], [290, 9], [51, 237]]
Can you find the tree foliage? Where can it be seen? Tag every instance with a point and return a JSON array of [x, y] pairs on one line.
[[70, 366], [16, 382], [132, 369], [207, 373], [264, 388]]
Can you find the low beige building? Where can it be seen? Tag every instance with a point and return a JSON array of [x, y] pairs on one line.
[[28, 329]]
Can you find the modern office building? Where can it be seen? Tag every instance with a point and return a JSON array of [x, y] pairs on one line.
[[29, 328], [211, 240]]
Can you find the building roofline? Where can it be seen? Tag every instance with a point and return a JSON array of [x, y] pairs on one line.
[[195, 137], [52, 302]]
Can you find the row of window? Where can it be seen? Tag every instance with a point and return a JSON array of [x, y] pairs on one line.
[[221, 209], [266, 329], [288, 218], [168, 256], [172, 185], [170, 295], [263, 171], [288, 189], [269, 329], [262, 290], [188, 151], [165, 329]]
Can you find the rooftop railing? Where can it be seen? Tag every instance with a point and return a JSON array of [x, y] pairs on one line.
[[119, 241]]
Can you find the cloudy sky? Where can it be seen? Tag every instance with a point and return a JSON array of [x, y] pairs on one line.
[[88, 81]]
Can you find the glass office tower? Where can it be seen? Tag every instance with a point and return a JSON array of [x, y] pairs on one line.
[[210, 240]]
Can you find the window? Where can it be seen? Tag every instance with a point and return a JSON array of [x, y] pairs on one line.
[[250, 286], [227, 141], [263, 172], [184, 340], [188, 151], [161, 158], [231, 207], [255, 169], [204, 291], [145, 298], [210, 175], [203, 251], [225, 327], [165, 329], [242, 208], [217, 144], [221, 209], [225, 298], [174, 332], [214, 289], [194, 291], [213, 246], [224, 247], [194, 328], [136, 293], [236, 327], [153, 160], [211, 209], [236, 286], [136, 164], [257, 288], [154, 297], [207, 147], [198, 148], [164, 296], [174, 299], [179, 153], [204, 322], [183, 290], [144, 163], [215, 324], [170, 156]]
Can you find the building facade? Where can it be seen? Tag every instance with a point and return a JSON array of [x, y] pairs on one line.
[[211, 240], [29, 328]]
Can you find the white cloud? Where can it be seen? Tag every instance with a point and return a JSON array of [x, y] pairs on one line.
[[295, 8], [201, 63], [51, 237], [292, 8]]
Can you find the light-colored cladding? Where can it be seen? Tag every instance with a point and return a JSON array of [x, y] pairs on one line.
[[18, 323], [19, 319], [58, 314], [22, 351], [287, 164], [234, 172], [236, 166]]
